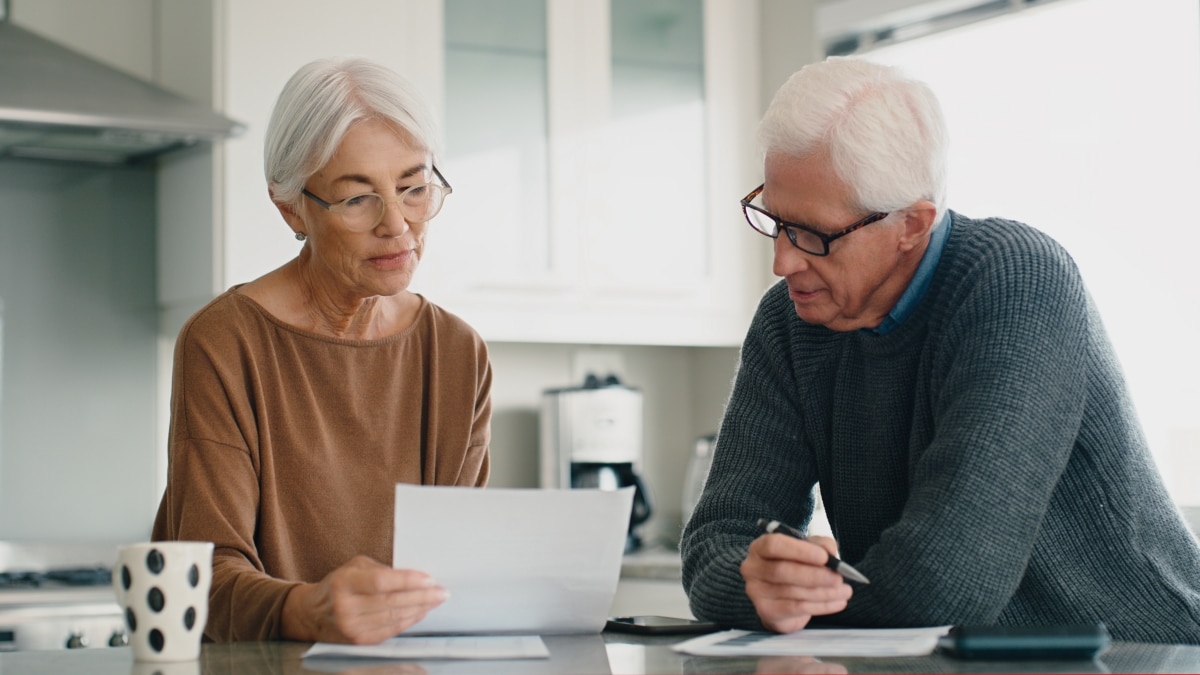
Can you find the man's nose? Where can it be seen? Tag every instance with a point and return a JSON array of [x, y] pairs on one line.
[[787, 258]]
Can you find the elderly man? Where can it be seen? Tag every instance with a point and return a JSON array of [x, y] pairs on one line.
[[948, 384]]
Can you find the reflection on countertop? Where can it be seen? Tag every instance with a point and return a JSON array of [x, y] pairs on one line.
[[596, 654]]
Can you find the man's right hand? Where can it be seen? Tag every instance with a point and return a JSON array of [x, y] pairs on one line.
[[361, 602], [788, 582]]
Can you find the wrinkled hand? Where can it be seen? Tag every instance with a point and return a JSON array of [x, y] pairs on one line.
[[788, 582], [361, 602]]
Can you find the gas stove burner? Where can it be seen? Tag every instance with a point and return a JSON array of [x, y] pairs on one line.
[[20, 579], [66, 576], [80, 576]]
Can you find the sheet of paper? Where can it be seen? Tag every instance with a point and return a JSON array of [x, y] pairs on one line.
[[818, 642], [514, 560], [451, 647]]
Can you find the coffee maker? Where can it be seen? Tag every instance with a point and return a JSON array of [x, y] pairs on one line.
[[591, 437]]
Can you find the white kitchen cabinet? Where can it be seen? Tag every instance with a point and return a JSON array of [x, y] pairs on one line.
[[591, 243], [597, 156]]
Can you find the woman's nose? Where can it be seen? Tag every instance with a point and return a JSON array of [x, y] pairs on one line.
[[393, 218]]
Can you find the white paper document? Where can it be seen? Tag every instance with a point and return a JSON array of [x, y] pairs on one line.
[[514, 561], [818, 642], [451, 647]]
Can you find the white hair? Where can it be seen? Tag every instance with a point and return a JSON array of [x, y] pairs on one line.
[[318, 105], [884, 131]]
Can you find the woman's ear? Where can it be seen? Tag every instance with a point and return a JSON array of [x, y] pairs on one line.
[[289, 213]]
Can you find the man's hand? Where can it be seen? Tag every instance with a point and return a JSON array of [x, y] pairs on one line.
[[788, 582], [361, 602]]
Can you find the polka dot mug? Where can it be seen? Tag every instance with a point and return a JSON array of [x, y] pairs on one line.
[[163, 587]]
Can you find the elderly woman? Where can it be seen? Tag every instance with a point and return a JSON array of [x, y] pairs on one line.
[[301, 398]]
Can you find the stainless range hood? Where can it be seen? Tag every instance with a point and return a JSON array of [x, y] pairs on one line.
[[56, 103]]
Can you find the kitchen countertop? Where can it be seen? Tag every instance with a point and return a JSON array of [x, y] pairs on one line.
[[618, 654], [658, 562]]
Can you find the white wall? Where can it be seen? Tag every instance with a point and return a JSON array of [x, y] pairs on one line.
[[89, 27], [1095, 145]]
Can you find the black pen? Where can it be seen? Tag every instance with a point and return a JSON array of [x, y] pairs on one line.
[[844, 569]]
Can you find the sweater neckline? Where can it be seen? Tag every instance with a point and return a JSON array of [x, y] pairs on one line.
[[422, 311]]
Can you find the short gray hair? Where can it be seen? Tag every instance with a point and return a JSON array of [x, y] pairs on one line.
[[319, 104], [884, 131]]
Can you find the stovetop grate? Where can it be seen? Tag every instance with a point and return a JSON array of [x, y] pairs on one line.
[[66, 576]]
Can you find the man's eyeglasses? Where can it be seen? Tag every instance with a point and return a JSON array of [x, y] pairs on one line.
[[361, 213], [802, 237]]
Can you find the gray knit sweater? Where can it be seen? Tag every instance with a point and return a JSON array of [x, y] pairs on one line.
[[982, 463]]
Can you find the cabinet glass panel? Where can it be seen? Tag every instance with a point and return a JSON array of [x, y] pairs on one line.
[[496, 131], [659, 234]]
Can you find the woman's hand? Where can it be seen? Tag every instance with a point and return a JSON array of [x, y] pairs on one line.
[[361, 602], [788, 582]]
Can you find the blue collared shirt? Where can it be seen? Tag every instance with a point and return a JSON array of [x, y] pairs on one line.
[[920, 281]]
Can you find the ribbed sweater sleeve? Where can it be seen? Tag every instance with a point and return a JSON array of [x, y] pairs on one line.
[[980, 464]]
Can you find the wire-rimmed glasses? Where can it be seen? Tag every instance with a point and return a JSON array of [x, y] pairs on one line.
[[418, 204], [803, 237]]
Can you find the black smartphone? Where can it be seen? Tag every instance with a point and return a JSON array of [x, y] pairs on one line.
[[659, 625], [1083, 641]]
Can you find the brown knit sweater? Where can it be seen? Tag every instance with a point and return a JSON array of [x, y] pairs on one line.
[[285, 446]]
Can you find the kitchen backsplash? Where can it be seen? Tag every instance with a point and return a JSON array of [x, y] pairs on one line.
[[77, 279]]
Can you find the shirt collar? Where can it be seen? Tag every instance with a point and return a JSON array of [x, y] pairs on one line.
[[920, 281]]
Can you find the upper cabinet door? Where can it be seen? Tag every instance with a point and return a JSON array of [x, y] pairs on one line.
[[656, 234], [494, 231], [596, 159]]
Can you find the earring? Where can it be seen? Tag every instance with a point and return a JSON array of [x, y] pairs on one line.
[[300, 236]]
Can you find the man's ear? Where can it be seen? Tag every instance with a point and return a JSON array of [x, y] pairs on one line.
[[918, 223]]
